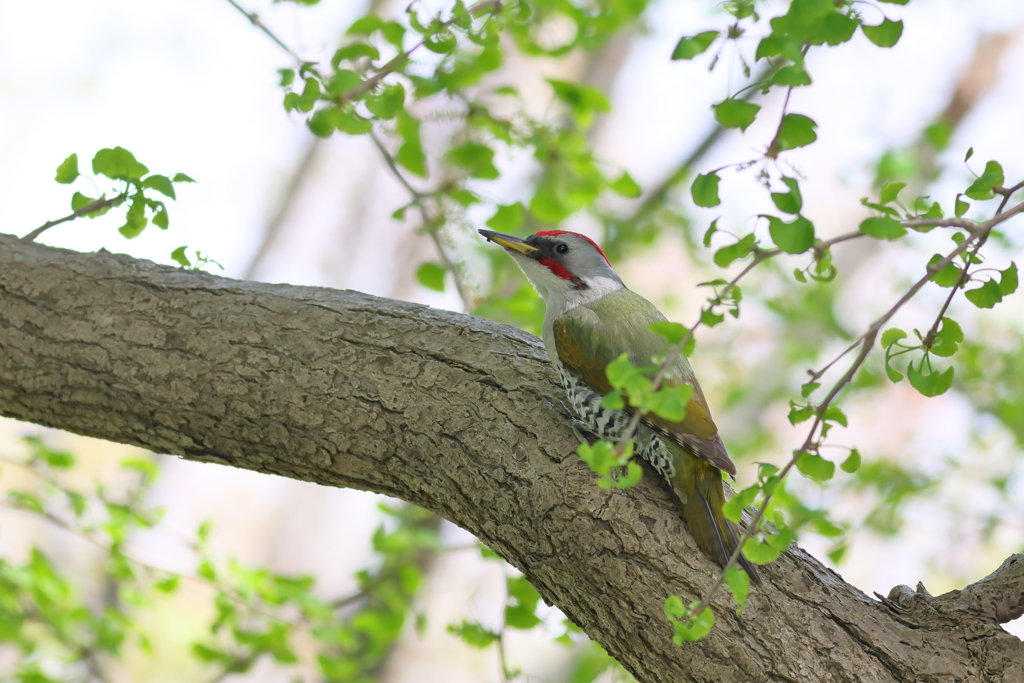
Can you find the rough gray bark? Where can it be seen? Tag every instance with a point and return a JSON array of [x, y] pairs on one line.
[[461, 416]]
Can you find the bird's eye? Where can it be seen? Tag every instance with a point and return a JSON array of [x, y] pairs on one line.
[[562, 248]]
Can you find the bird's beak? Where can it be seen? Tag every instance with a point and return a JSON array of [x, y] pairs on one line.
[[509, 242]]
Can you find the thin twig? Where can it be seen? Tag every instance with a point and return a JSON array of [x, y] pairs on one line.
[[254, 19], [97, 205], [418, 201], [502, 661]]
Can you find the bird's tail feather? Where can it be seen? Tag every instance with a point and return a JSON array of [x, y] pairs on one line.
[[703, 495]]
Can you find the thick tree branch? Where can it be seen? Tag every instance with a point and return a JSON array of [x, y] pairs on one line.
[[456, 414]]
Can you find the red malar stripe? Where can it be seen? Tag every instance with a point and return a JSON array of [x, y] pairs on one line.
[[557, 268]]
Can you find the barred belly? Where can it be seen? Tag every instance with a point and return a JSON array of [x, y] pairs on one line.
[[611, 424]]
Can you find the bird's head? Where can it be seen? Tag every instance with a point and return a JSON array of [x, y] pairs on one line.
[[566, 268]]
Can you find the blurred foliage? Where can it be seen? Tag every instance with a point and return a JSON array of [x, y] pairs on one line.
[[64, 628]]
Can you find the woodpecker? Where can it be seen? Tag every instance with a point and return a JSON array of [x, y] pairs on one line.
[[592, 319]]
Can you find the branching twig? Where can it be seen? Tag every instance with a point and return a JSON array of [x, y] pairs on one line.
[[368, 84], [979, 232], [418, 201], [97, 205]]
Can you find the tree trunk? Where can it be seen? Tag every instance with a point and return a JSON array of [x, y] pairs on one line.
[[461, 416]]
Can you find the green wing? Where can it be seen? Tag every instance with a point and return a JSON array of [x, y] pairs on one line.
[[588, 338]]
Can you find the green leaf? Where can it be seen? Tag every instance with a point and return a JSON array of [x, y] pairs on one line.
[[792, 76], [672, 333], [835, 414], [365, 26], [343, 81], [26, 501], [932, 384], [949, 276], [410, 154], [1008, 280], [983, 186], [625, 185], [891, 336], [351, 123], [689, 47], [760, 553], [890, 191], [431, 276], [726, 255], [179, 256], [80, 201], [705, 190], [53, 458], [885, 34], [794, 237], [815, 467], [393, 33], [712, 229], [473, 634], [709, 318], [135, 218], [634, 473], [161, 184], [462, 196], [620, 371], [733, 508], [168, 585], [837, 28], [986, 296], [77, 502], [947, 339], [522, 613], [68, 170], [798, 413], [739, 585], [796, 130], [352, 52], [160, 218], [970, 153], [670, 402], [584, 101], [894, 375], [883, 228], [118, 164], [789, 202], [689, 627], [733, 113], [852, 462], [960, 207], [613, 400], [507, 218], [476, 158], [287, 77], [181, 178], [442, 42], [388, 103]]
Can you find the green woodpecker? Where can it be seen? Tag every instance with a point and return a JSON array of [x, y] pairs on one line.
[[591, 320]]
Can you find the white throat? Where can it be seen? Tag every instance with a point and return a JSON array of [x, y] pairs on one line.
[[562, 299]]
